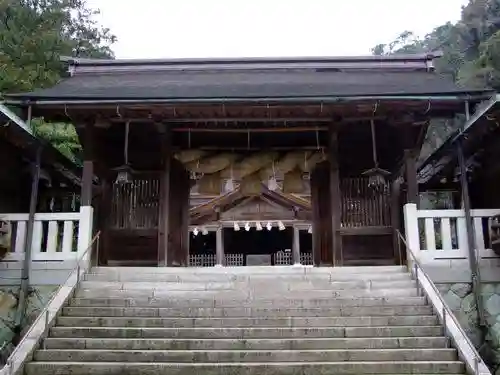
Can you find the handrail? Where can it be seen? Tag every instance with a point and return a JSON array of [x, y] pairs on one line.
[[476, 363], [44, 314]]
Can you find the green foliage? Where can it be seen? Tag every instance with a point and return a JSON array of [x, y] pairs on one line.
[[471, 55], [62, 136], [34, 34], [470, 47]]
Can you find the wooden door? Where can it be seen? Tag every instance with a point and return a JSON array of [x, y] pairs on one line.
[[133, 222]]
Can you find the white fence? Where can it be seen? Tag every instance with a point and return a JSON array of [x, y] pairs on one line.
[[441, 235], [57, 241]]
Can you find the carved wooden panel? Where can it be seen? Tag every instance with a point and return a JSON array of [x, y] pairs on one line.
[[257, 209]]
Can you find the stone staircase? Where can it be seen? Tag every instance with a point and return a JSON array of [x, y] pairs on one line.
[[247, 320]]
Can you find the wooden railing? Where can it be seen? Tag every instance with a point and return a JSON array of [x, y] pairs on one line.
[[442, 234], [56, 236]]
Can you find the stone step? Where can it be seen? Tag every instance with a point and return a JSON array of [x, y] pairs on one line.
[[256, 302], [246, 322], [252, 271], [287, 284], [262, 332], [215, 278], [188, 356], [243, 294], [247, 344], [249, 285], [245, 368], [271, 312]]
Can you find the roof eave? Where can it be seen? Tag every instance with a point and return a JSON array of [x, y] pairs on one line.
[[20, 99], [443, 152]]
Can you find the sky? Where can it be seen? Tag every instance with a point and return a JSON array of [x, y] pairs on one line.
[[258, 28]]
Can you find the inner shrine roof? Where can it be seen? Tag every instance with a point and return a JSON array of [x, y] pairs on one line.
[[232, 199]]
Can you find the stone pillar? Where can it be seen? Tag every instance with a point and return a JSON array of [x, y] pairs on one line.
[[296, 247], [219, 247]]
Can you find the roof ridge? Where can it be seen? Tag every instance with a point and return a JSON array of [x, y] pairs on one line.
[[246, 60]]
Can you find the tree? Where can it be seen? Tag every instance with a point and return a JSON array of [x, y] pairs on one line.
[[405, 43], [34, 34], [62, 136], [471, 55]]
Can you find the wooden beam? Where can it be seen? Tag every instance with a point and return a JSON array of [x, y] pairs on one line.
[[335, 197], [290, 129], [366, 231]]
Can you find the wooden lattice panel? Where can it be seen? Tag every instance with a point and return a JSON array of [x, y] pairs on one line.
[[234, 260], [282, 258], [306, 259], [202, 260]]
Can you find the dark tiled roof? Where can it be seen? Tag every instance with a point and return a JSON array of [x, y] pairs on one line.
[[213, 85], [198, 79]]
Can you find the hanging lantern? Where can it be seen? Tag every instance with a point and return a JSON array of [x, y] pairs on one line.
[[272, 184], [124, 172], [269, 225], [281, 226], [124, 175], [310, 230], [258, 226], [236, 226], [204, 231], [229, 186], [247, 226], [196, 231], [376, 175]]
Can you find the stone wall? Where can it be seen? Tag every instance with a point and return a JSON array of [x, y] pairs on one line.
[[9, 297], [460, 299]]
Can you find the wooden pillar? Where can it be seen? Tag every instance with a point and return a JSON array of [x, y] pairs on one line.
[[411, 177], [219, 247], [335, 198], [396, 220], [296, 246], [185, 219], [164, 223], [85, 226], [178, 211], [316, 249], [88, 166], [104, 214]]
